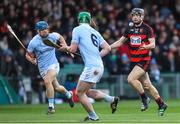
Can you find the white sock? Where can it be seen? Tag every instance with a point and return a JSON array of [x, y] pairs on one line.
[[68, 94], [109, 98], [93, 115], [51, 102]]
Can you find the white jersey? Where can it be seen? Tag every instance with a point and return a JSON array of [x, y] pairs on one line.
[[88, 40], [45, 54]]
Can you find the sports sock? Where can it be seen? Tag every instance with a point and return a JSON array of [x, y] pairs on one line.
[[143, 96], [68, 94], [159, 101], [51, 102], [109, 98], [93, 115]]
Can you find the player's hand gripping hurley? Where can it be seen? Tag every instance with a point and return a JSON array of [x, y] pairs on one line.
[[48, 42]]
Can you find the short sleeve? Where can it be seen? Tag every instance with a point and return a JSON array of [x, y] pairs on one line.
[[150, 32], [126, 32], [31, 46], [75, 36], [56, 37], [101, 39]]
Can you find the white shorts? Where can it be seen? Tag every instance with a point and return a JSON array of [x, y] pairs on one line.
[[53, 67], [91, 74]]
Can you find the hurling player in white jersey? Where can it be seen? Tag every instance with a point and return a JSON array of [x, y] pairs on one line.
[[88, 40], [44, 56]]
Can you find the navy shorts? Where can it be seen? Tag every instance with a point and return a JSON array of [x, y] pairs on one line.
[[145, 65]]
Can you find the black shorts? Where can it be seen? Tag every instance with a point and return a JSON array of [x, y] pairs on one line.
[[145, 65]]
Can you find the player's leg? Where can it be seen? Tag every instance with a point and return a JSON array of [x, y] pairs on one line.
[[133, 79], [48, 79], [82, 89], [99, 95], [96, 74], [154, 93], [61, 89], [148, 86]]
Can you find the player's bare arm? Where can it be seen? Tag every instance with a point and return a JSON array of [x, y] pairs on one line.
[[73, 47], [149, 46], [62, 42], [105, 49], [31, 57], [119, 42], [64, 46]]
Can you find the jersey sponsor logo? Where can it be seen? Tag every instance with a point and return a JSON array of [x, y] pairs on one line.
[[135, 40]]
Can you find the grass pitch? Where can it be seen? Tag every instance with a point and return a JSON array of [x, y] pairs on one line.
[[128, 112]]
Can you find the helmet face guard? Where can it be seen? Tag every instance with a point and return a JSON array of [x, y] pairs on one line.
[[84, 17], [41, 25], [137, 11]]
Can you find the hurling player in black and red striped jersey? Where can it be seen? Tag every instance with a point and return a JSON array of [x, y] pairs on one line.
[[140, 38]]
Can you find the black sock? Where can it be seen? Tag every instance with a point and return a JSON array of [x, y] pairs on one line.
[[143, 96], [159, 101]]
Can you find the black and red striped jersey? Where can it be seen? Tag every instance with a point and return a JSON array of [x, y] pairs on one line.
[[138, 36]]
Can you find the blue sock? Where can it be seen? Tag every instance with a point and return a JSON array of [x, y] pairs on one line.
[[93, 115], [51, 102], [109, 98], [68, 94]]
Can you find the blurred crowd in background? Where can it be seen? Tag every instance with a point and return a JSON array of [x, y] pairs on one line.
[[111, 16]]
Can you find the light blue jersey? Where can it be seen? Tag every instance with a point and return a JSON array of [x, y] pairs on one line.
[[45, 55], [89, 40]]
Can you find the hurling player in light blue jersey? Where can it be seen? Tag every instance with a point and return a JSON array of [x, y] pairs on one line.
[[44, 56], [88, 40]]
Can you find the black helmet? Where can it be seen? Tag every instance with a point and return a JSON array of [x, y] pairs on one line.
[[138, 11]]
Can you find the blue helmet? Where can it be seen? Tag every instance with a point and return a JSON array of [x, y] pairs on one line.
[[41, 25]]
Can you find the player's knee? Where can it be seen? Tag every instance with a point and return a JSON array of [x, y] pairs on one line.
[[95, 94], [47, 82], [79, 92], [146, 87], [58, 88], [130, 80]]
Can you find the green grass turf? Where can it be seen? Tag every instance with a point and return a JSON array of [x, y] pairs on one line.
[[128, 112]]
